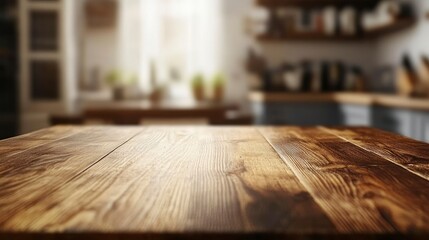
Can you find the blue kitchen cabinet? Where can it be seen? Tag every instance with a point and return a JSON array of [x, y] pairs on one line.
[[300, 114], [406, 122]]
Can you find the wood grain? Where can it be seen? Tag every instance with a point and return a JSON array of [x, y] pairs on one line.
[[52, 133], [28, 176], [359, 190], [407, 153], [186, 180], [28, 141], [212, 183]]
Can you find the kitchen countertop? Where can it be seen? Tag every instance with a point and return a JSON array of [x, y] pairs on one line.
[[96, 182], [387, 100]]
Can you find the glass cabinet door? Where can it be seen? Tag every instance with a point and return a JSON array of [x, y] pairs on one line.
[[43, 34], [45, 84]]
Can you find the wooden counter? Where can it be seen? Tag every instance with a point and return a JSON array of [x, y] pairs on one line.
[[136, 112], [133, 112], [213, 183], [346, 98]]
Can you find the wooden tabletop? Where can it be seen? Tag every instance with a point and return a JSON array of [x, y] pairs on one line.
[[213, 183]]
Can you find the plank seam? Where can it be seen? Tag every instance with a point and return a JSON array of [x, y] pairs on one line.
[[297, 176], [78, 174], [101, 158], [368, 150]]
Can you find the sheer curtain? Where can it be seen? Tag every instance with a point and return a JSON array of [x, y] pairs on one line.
[[179, 37]]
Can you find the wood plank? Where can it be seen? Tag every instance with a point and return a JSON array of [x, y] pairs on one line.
[[28, 141], [408, 153], [180, 181], [51, 133], [29, 176], [360, 191], [15, 146]]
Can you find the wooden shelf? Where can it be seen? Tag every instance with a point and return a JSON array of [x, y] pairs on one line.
[[399, 25], [307, 37], [375, 33], [318, 3]]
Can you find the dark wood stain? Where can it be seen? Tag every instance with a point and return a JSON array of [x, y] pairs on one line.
[[410, 154], [360, 183]]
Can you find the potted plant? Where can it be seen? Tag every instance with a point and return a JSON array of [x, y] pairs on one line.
[[157, 94], [119, 83], [218, 87], [198, 87]]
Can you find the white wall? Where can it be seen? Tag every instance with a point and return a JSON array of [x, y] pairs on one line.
[[99, 51], [414, 41], [236, 43]]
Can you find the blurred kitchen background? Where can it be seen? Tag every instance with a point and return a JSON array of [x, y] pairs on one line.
[[215, 62]]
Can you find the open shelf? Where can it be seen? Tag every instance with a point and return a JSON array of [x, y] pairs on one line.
[[398, 25], [307, 37], [318, 3]]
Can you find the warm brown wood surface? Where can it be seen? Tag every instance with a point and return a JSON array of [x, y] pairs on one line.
[[213, 183]]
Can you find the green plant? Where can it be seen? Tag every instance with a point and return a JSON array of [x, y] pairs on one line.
[[218, 86], [197, 81], [218, 80], [117, 78], [114, 78], [198, 87]]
